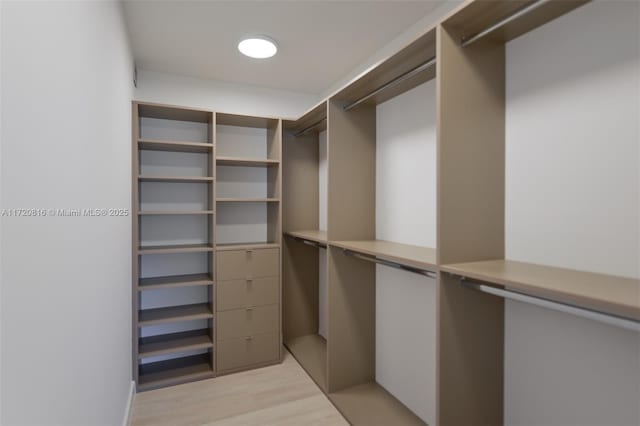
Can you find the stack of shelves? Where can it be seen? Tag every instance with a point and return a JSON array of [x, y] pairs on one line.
[[173, 240], [248, 183]]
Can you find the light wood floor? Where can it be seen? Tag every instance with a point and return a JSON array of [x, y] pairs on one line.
[[279, 395]]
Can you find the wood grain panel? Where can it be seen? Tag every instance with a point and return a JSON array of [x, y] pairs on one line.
[[351, 347], [351, 192]]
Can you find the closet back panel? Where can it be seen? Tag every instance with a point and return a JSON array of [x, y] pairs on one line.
[[235, 141], [243, 182], [161, 265], [173, 130], [169, 196], [170, 230], [241, 223], [573, 201], [163, 163], [406, 213]]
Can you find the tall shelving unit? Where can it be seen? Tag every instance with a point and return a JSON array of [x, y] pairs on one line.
[[173, 239]]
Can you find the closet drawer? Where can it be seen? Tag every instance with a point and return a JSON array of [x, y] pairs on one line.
[[247, 264], [248, 322], [237, 294], [241, 352]]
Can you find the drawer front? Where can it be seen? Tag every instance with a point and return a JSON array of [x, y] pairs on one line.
[[248, 322], [236, 294], [241, 352], [247, 264]]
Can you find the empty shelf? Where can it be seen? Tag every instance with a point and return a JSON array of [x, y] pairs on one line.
[[311, 235], [370, 404], [311, 353], [404, 254], [247, 200], [159, 145], [182, 248], [245, 246], [176, 179], [237, 161], [605, 293], [174, 342], [174, 212], [174, 314], [174, 281], [175, 371]]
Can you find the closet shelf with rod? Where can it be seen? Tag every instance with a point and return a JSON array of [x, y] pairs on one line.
[[177, 248], [607, 294], [412, 257], [313, 235]]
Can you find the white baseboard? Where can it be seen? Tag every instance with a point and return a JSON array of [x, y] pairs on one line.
[[126, 421]]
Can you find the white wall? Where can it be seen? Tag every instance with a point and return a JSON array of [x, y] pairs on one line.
[[572, 200], [220, 96], [66, 135], [406, 213]]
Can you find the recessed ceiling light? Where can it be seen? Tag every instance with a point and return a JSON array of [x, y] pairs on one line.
[[259, 47]]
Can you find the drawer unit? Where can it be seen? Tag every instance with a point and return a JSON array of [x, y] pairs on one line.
[[248, 321], [247, 264], [239, 352], [236, 294]]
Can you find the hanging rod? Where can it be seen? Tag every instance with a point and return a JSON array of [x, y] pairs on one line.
[[423, 66], [629, 324], [466, 41], [389, 263], [310, 243], [309, 128]]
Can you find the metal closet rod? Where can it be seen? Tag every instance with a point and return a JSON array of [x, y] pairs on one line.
[[309, 128], [412, 72], [466, 41], [389, 263], [629, 324], [310, 243]]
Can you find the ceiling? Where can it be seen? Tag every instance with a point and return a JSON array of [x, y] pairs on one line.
[[319, 41]]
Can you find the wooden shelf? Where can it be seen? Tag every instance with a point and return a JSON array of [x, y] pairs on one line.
[[174, 146], [174, 371], [245, 246], [182, 248], [176, 179], [311, 235], [237, 161], [174, 314], [174, 212], [247, 200], [370, 404], [174, 281], [404, 254], [174, 342], [311, 353], [606, 293]]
